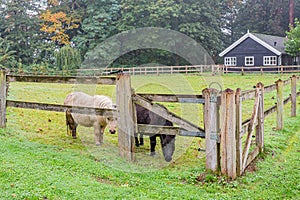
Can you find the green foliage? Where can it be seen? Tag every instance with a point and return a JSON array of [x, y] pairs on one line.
[[7, 59], [68, 58], [99, 23], [19, 27], [213, 24], [200, 20], [292, 45], [265, 16]]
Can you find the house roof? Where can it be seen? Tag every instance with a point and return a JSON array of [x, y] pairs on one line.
[[273, 43]]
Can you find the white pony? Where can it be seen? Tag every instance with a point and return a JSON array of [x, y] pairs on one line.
[[90, 120]]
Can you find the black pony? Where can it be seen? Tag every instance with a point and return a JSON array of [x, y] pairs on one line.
[[145, 116]]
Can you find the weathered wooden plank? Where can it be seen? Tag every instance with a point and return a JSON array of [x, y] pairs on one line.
[[61, 108], [211, 114], [106, 80], [228, 132], [250, 94], [126, 121], [192, 134], [280, 107], [167, 130], [239, 131], [159, 110], [154, 129], [181, 98], [271, 110], [2, 98], [251, 126], [293, 95], [260, 119], [251, 157], [287, 82], [270, 88]]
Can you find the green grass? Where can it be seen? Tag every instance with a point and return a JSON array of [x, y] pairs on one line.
[[39, 161]]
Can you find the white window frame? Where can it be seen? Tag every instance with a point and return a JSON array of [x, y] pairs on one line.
[[230, 61], [251, 58], [270, 60]]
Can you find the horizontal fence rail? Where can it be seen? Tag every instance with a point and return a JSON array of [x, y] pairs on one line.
[[181, 98], [61, 108], [261, 69], [63, 79]]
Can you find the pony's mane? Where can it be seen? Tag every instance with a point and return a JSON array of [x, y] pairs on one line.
[[102, 101]]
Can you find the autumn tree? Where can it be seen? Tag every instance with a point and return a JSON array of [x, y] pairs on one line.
[[60, 19]]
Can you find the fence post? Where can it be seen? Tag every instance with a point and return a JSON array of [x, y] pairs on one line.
[[2, 98], [126, 116], [293, 95], [211, 116], [279, 87], [260, 119], [228, 141], [238, 137]]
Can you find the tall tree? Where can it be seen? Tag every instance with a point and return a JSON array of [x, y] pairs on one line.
[[292, 45], [230, 10], [18, 21], [198, 19], [264, 16], [99, 23]]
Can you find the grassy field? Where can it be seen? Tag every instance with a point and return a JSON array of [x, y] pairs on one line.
[[39, 161]]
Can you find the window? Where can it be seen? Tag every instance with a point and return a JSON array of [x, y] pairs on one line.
[[270, 60], [230, 61], [249, 61]]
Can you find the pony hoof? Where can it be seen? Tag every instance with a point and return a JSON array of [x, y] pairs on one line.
[[137, 145], [141, 144], [98, 144]]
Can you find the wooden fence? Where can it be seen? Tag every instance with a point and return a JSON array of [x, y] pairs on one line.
[[194, 69], [158, 70], [154, 70], [260, 69], [223, 129]]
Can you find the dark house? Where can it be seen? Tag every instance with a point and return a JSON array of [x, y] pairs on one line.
[[254, 49]]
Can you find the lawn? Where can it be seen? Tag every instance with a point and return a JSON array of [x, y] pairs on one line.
[[39, 161]]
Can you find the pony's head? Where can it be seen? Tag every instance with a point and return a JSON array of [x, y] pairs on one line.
[[168, 146], [111, 124], [112, 121]]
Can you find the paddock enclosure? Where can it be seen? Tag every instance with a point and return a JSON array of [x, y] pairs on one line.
[[229, 138]]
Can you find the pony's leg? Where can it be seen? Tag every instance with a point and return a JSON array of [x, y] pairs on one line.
[[97, 133], [136, 140], [101, 134], [152, 145], [74, 130], [141, 140]]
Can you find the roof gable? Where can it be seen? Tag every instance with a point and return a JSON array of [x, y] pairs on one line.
[[272, 43]]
